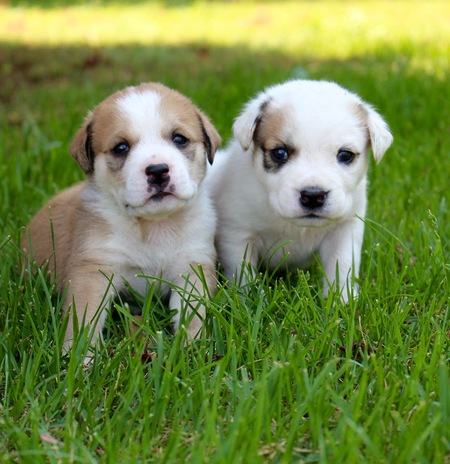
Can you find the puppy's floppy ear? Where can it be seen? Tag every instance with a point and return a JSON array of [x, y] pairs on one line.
[[379, 132], [81, 146], [246, 123], [211, 138]]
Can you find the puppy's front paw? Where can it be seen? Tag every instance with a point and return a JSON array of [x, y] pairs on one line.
[[194, 329]]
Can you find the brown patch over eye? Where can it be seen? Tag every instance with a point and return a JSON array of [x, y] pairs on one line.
[[272, 137]]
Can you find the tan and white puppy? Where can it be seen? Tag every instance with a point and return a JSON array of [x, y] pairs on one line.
[[294, 181], [143, 210]]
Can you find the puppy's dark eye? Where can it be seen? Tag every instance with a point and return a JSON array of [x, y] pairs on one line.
[[345, 156], [279, 154], [121, 149], [180, 140]]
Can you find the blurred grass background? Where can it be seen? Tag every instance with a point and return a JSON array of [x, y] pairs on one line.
[[280, 372]]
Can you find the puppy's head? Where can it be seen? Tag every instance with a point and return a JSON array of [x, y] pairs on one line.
[[146, 147], [309, 143]]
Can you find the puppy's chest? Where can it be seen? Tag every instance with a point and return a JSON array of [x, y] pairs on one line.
[[294, 244], [151, 252]]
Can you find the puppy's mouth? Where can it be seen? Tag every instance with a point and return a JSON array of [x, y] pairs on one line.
[[158, 197], [313, 218]]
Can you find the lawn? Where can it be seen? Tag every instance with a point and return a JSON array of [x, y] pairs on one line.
[[281, 374]]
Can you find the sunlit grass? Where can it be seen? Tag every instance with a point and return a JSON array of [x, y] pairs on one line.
[[321, 29]]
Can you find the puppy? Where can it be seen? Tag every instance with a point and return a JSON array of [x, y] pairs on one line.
[[293, 182], [143, 210]]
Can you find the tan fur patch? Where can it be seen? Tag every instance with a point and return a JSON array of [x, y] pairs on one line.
[[185, 118], [273, 131]]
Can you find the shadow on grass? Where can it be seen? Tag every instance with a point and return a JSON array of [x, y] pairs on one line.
[[219, 79], [40, 79]]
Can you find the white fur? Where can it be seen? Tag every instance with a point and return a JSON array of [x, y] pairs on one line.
[[172, 242], [260, 211]]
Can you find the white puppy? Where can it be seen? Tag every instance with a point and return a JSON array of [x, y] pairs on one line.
[[294, 180], [143, 210]]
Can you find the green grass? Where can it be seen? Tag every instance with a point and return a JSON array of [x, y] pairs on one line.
[[281, 374]]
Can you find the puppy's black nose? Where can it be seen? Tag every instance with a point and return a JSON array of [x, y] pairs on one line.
[[313, 197], [157, 174]]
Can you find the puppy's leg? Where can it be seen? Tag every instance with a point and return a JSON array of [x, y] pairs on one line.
[[89, 292], [237, 257], [199, 282], [341, 256]]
